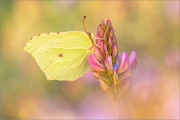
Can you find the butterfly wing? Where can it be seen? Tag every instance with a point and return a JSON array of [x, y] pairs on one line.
[[61, 56]]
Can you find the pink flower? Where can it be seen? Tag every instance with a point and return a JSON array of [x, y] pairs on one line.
[[107, 65], [126, 64], [132, 60]]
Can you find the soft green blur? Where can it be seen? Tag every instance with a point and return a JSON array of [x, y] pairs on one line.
[[151, 28]]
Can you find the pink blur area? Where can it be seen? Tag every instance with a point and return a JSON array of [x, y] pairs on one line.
[[151, 28]]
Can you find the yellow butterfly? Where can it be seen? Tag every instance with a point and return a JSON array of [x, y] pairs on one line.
[[64, 55]]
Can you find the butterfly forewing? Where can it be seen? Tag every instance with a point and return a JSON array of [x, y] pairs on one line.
[[61, 56]]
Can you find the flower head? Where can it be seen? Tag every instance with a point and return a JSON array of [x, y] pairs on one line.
[[107, 65]]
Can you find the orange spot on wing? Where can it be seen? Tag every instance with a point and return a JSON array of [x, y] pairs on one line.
[[60, 55]]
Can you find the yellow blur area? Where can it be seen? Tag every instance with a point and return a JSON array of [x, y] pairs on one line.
[[151, 28]]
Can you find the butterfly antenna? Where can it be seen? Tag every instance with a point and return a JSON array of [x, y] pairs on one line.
[[88, 33]]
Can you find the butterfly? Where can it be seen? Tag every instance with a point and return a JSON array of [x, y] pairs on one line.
[[62, 55]]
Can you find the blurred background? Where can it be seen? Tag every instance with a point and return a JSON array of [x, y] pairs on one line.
[[151, 28]]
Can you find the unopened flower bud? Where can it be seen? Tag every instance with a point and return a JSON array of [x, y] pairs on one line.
[[103, 25], [101, 46], [109, 45], [101, 31], [105, 38], [114, 39], [98, 54], [111, 33], [108, 25], [114, 51], [105, 50]]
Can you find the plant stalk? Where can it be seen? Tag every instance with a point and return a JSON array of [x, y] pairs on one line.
[[116, 107]]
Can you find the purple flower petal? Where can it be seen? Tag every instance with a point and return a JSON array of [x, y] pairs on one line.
[[133, 60], [115, 65], [119, 59], [124, 63]]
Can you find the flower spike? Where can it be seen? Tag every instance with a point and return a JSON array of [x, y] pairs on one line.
[[107, 65]]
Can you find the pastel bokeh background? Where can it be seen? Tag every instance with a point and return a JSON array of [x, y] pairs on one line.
[[151, 28]]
